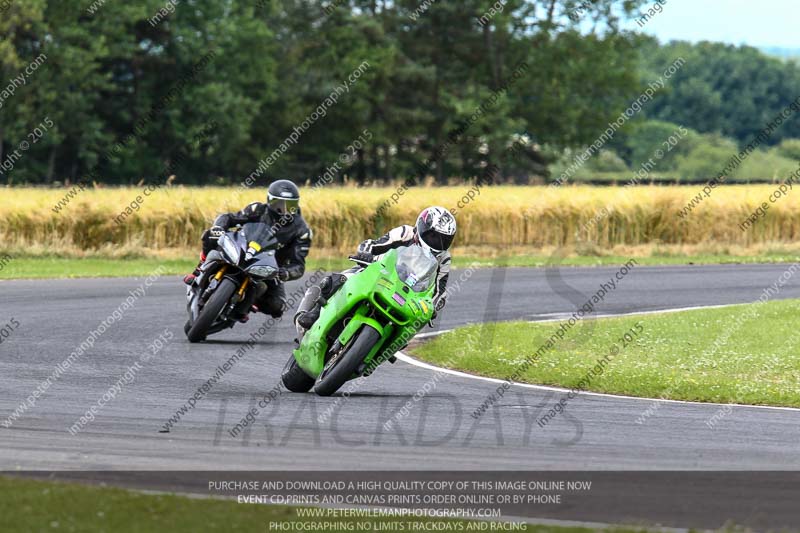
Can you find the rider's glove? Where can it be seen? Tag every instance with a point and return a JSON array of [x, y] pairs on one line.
[[365, 257], [216, 232], [365, 247], [283, 274]]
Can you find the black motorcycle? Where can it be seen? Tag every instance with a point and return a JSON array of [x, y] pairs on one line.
[[231, 279]]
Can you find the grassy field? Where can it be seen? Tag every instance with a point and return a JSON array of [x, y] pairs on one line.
[[745, 354], [44, 267], [584, 220], [27, 505]]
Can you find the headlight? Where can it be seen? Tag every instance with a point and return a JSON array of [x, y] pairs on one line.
[[230, 249], [261, 271]]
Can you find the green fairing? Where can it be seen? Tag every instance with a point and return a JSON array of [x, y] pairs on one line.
[[370, 293]]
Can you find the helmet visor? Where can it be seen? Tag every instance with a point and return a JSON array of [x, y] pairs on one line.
[[436, 240], [283, 206]]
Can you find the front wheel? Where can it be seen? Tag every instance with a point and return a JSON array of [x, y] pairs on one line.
[[210, 312], [294, 378], [343, 366]]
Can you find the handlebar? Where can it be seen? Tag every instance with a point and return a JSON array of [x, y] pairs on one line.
[[362, 259]]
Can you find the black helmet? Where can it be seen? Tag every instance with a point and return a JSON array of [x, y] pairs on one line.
[[283, 197], [436, 228]]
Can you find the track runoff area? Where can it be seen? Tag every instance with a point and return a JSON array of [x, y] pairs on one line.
[[338, 461]]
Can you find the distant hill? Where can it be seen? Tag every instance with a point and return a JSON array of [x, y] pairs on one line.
[[783, 53]]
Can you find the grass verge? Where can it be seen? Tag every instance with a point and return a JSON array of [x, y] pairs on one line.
[[29, 505], [39, 267], [745, 354]]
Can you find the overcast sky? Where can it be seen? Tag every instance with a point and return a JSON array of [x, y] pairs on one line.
[[758, 23]]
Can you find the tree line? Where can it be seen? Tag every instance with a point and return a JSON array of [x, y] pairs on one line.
[[130, 88]]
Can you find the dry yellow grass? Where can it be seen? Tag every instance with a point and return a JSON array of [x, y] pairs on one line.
[[499, 218]]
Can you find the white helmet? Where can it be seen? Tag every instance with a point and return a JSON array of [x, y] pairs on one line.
[[436, 228]]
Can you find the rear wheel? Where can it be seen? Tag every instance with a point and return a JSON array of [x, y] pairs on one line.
[[344, 366], [294, 378], [214, 306]]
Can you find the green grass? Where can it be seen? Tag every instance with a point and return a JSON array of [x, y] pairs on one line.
[[28, 505], [94, 267], [745, 354], [616, 260]]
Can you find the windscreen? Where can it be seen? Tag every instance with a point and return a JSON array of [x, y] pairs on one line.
[[416, 267], [260, 233]]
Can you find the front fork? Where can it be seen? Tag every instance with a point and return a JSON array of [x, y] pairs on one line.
[[195, 292], [244, 300]]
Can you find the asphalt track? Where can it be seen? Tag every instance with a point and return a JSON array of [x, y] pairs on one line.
[[595, 433]]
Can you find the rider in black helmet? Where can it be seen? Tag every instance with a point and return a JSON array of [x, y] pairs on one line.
[[282, 213]]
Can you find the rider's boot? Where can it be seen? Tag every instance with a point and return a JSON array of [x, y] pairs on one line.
[[189, 278], [312, 302], [308, 311]]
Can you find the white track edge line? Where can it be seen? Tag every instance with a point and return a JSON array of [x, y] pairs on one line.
[[415, 362]]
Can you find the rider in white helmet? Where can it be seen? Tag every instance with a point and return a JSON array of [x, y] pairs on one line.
[[435, 229]]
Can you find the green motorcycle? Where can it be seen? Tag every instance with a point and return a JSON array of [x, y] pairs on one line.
[[374, 314]]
